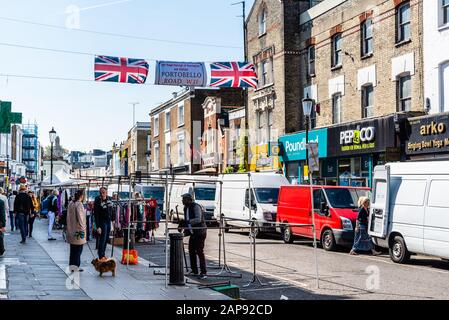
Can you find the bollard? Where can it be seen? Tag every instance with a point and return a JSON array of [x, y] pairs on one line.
[[176, 259], [132, 235]]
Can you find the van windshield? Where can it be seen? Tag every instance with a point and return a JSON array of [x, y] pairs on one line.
[[267, 195], [207, 194], [344, 198], [153, 192]]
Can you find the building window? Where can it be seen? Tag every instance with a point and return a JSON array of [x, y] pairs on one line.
[[444, 87], [405, 93], [311, 60], [270, 124], [167, 121], [367, 37], [259, 121], [181, 149], [445, 9], [263, 22], [367, 101], [156, 156], [180, 114], [266, 73], [336, 108], [336, 51], [167, 155], [403, 23], [156, 126]]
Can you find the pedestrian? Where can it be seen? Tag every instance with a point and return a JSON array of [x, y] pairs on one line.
[[22, 208], [362, 240], [76, 230], [3, 206], [103, 220], [34, 213], [52, 211], [6, 203], [12, 218], [194, 218]]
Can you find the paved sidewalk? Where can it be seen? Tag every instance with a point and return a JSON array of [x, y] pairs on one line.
[[38, 270]]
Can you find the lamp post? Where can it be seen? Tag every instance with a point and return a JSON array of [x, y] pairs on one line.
[[307, 105], [52, 134]]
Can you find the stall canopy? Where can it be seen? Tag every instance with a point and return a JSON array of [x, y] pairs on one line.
[[60, 178]]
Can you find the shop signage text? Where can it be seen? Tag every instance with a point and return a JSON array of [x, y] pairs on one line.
[[428, 135], [293, 147], [358, 139]]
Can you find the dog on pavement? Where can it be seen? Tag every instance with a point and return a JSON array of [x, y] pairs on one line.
[[105, 266]]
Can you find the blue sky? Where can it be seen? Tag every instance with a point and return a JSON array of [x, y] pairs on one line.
[[90, 115]]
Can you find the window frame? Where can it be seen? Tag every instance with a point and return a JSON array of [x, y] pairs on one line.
[[167, 155], [445, 12], [365, 38], [181, 147], [400, 88], [167, 119], [263, 22], [156, 127], [365, 100], [156, 157], [400, 34], [337, 97], [311, 61], [337, 51], [181, 107]]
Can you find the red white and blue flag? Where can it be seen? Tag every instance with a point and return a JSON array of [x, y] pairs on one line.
[[233, 75], [123, 70]]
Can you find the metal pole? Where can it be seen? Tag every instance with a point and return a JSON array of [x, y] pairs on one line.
[[222, 225], [166, 229], [51, 163], [129, 222]]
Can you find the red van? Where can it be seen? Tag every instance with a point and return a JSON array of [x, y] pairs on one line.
[[335, 213]]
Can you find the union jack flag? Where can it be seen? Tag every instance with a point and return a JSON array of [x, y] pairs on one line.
[[124, 70], [233, 75]]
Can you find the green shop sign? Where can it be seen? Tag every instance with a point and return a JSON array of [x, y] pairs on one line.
[[293, 146]]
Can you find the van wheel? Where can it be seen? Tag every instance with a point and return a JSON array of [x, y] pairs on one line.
[[398, 250], [287, 235], [328, 240]]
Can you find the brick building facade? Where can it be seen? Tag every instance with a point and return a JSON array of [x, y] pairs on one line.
[[177, 128]]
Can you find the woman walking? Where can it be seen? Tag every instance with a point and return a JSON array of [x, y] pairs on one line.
[[76, 230], [362, 241], [35, 212]]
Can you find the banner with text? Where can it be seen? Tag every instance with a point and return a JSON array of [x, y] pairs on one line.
[[191, 74]]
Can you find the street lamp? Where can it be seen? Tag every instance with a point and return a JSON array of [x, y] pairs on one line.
[[52, 141], [307, 105]]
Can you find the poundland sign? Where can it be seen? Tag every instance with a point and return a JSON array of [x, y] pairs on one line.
[[293, 147]]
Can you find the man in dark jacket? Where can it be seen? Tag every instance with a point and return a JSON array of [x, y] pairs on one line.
[[52, 213], [103, 220], [22, 208], [194, 218]]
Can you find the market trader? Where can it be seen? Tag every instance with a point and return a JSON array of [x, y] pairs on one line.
[[103, 220], [194, 218]]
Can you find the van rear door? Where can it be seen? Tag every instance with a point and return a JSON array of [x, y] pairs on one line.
[[380, 209]]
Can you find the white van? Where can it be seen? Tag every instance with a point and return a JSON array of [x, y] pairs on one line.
[[203, 194], [124, 191], [410, 209], [235, 198]]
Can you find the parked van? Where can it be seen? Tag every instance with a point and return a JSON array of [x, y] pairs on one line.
[[335, 210], [236, 188], [410, 209], [124, 191], [203, 194], [153, 191]]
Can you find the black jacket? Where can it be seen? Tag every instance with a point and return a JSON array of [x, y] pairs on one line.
[[102, 211], [23, 203], [2, 214]]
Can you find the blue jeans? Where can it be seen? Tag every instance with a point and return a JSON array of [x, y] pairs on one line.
[[103, 241], [75, 255], [22, 218]]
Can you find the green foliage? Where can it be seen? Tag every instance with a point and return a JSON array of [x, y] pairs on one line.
[[229, 170]]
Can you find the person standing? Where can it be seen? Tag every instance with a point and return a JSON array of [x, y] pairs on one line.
[[3, 211], [103, 220], [12, 218], [76, 230], [6, 203], [34, 213], [52, 211], [362, 240], [194, 218], [22, 208]]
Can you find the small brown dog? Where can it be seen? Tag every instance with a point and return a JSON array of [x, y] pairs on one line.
[[106, 266]]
